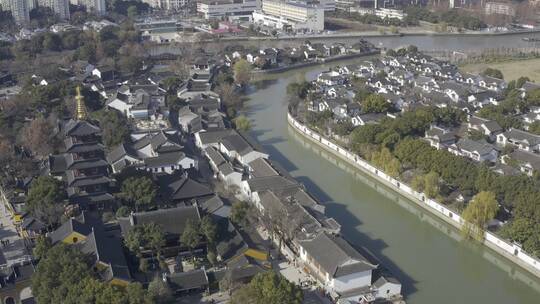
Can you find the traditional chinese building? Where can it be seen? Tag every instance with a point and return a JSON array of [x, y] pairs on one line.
[[83, 166]]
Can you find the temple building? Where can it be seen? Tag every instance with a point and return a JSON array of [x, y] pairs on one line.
[[83, 166]]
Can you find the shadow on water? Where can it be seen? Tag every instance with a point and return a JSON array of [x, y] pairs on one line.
[[349, 223], [277, 156]]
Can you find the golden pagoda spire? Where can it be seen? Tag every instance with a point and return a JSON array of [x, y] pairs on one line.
[[81, 108]]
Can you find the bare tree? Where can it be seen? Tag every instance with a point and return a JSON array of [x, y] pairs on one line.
[[37, 137]]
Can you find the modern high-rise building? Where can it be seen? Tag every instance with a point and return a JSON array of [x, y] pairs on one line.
[[19, 10], [97, 7], [59, 7]]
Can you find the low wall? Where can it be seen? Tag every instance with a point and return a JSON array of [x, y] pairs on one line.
[[509, 250], [317, 62]]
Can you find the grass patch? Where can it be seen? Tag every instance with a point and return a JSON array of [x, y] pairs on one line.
[[511, 69]]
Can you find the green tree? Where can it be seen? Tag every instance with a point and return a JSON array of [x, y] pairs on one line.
[[43, 244], [190, 236], [242, 123], [146, 236], [521, 81], [132, 12], [535, 127], [123, 211], [269, 287], [519, 230], [375, 104], [139, 191], [45, 200], [136, 294], [57, 274], [160, 291], [114, 127], [52, 42], [242, 72], [493, 73], [431, 184], [209, 229], [478, 213], [239, 213]]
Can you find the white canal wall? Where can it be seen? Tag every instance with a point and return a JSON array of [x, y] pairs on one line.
[[509, 250]]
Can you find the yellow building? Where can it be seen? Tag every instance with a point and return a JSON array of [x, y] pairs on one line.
[[87, 232]]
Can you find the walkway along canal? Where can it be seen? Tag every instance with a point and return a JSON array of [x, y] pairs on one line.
[[426, 254]]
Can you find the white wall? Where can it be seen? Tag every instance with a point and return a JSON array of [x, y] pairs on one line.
[[503, 247], [388, 290], [351, 281]]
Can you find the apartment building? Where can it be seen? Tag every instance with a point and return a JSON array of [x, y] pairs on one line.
[[234, 10], [167, 4], [59, 7], [92, 6], [20, 10], [290, 15]]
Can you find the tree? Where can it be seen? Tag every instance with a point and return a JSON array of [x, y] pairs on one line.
[[146, 236], [57, 274], [491, 72], [130, 64], [37, 137], [139, 191], [269, 287], [132, 12], [519, 230], [209, 229], [160, 291], [123, 211], [431, 184], [191, 237], [478, 212], [242, 72], [137, 295], [43, 244], [521, 81], [52, 42], [375, 104], [535, 127], [114, 127], [242, 123], [239, 213], [44, 200], [228, 95], [343, 128]]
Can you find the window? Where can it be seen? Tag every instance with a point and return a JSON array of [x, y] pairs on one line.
[[75, 239]]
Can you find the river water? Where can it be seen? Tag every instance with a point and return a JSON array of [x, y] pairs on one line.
[[427, 256]]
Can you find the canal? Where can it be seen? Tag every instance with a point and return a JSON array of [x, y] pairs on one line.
[[427, 256]]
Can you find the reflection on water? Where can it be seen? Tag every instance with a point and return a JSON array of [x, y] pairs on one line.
[[514, 271]]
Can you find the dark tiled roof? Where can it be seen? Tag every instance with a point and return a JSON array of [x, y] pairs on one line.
[[194, 279], [336, 256], [172, 220], [180, 187], [80, 128]]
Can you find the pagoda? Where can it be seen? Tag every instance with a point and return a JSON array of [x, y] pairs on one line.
[[83, 166]]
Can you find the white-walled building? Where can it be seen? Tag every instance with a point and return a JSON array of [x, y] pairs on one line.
[[390, 13], [338, 266], [290, 15], [167, 4], [228, 9]]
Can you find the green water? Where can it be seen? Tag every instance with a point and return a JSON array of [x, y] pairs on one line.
[[427, 256]]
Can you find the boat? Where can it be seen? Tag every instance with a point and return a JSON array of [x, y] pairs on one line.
[[529, 39]]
